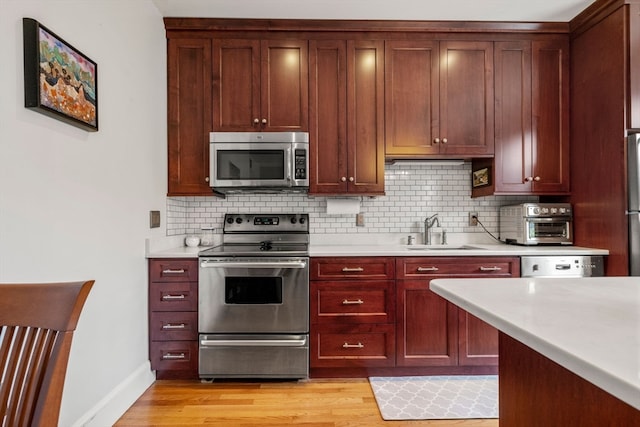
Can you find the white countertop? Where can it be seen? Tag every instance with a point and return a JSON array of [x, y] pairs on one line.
[[591, 326], [471, 249], [173, 247]]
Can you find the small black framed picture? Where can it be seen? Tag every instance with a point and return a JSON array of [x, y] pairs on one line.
[[59, 80]]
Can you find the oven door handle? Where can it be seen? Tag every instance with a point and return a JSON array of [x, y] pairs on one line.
[[253, 343], [253, 264]]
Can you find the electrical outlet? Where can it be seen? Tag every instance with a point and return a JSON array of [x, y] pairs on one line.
[[360, 220], [473, 219], [154, 219]]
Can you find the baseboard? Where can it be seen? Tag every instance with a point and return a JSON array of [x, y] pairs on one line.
[[108, 410]]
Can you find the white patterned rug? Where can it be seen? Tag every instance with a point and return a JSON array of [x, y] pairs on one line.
[[436, 397]]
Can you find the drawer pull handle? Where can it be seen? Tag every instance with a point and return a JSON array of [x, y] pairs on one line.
[[352, 302], [352, 269], [174, 326], [494, 268], [172, 297], [347, 345], [171, 271], [171, 356], [421, 269]]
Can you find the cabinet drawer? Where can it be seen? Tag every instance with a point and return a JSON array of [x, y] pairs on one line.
[[458, 267], [174, 356], [352, 345], [173, 270], [363, 301], [173, 296], [352, 268], [177, 326]]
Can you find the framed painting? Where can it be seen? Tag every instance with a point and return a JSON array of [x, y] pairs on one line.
[[59, 80], [480, 177]]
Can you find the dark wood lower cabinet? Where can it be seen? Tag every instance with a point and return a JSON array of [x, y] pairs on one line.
[[353, 345], [535, 391], [173, 318], [427, 326], [478, 341], [386, 327]]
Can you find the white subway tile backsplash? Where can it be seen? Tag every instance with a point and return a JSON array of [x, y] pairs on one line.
[[412, 192]]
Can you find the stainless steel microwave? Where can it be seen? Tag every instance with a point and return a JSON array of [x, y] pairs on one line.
[[259, 162], [537, 224]]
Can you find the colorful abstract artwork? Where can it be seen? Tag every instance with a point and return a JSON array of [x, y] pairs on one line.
[[59, 80]]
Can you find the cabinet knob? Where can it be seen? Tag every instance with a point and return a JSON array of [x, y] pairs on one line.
[[343, 179], [264, 121], [256, 121], [536, 179], [444, 140], [351, 179], [436, 141], [206, 179], [528, 179]]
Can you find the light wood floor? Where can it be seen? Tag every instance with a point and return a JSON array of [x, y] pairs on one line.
[[313, 403]]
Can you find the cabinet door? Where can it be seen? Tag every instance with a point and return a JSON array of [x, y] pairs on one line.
[[236, 85], [466, 98], [327, 109], [355, 268], [351, 345], [550, 100], [513, 159], [427, 326], [284, 86], [189, 116], [347, 120], [478, 341], [365, 114], [357, 301], [411, 98]]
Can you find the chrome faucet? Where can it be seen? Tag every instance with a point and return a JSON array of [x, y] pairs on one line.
[[429, 223]]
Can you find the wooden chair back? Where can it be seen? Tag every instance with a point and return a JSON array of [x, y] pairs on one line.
[[37, 322]]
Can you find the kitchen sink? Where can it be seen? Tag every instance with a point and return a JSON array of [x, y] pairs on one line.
[[440, 247]]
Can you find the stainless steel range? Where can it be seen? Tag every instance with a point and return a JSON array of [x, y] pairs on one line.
[[253, 301]]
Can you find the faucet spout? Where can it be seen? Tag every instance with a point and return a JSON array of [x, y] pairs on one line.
[[429, 223]]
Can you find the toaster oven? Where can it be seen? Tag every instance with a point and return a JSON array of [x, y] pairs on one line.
[[537, 224]]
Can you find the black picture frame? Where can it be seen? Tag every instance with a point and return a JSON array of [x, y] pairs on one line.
[[59, 80]]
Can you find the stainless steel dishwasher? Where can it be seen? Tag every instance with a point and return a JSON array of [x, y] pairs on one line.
[[562, 266]]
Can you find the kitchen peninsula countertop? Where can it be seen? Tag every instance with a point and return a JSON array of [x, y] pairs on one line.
[[590, 326]]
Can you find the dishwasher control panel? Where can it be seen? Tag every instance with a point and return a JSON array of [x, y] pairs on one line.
[[562, 266]]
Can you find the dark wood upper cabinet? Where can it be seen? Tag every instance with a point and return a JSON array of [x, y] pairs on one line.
[[346, 117], [260, 85], [369, 90], [466, 98], [532, 119], [550, 105], [189, 116], [439, 99]]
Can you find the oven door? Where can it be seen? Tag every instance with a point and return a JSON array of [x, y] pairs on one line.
[[549, 231], [253, 295]]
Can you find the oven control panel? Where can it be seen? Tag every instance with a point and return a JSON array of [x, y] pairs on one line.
[[266, 223]]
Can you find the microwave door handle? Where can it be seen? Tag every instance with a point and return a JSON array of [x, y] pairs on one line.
[[289, 164]]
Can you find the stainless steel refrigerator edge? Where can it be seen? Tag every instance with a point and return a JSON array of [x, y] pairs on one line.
[[633, 206]]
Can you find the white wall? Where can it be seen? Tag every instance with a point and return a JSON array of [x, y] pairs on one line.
[[75, 205]]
